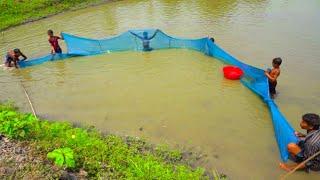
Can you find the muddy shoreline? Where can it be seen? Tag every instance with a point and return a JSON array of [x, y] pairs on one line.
[[18, 160]]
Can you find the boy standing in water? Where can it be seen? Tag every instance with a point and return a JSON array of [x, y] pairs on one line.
[[146, 39], [272, 75], [308, 145], [13, 57], [53, 40]]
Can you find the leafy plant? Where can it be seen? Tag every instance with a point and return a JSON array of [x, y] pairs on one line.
[[62, 157], [15, 125]]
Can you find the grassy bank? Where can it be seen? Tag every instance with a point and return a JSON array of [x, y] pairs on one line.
[[107, 157], [15, 12]]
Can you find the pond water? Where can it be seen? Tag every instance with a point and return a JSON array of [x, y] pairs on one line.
[[179, 96]]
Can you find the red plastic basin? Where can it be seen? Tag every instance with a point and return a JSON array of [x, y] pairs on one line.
[[232, 72]]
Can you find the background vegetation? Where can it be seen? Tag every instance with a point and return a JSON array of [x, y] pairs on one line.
[[15, 12]]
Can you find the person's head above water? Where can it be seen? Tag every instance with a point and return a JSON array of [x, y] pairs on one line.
[[276, 62], [17, 51], [50, 32], [145, 35], [310, 121]]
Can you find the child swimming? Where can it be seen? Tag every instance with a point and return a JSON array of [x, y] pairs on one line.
[[12, 57], [308, 145], [53, 40], [272, 75]]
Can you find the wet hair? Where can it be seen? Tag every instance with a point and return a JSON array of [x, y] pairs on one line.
[[277, 61], [50, 31], [312, 120], [16, 50]]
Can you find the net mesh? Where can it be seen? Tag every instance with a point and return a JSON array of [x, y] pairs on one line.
[[153, 39]]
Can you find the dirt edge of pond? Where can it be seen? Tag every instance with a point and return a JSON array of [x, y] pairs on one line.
[[18, 160]]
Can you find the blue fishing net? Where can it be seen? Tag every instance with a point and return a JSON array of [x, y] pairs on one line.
[[153, 39]]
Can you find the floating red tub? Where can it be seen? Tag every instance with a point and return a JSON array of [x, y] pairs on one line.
[[232, 72]]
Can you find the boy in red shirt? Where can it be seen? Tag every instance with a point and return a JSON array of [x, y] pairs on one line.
[[53, 40]]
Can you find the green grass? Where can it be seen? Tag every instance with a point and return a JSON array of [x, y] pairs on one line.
[[103, 157], [15, 12]]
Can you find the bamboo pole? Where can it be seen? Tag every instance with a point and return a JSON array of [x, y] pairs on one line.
[[30, 103], [299, 166]]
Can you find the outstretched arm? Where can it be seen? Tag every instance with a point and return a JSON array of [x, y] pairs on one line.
[[24, 56], [61, 36], [136, 35], [155, 33], [289, 167]]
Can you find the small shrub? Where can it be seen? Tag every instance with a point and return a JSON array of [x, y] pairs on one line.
[[15, 125], [62, 157]]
